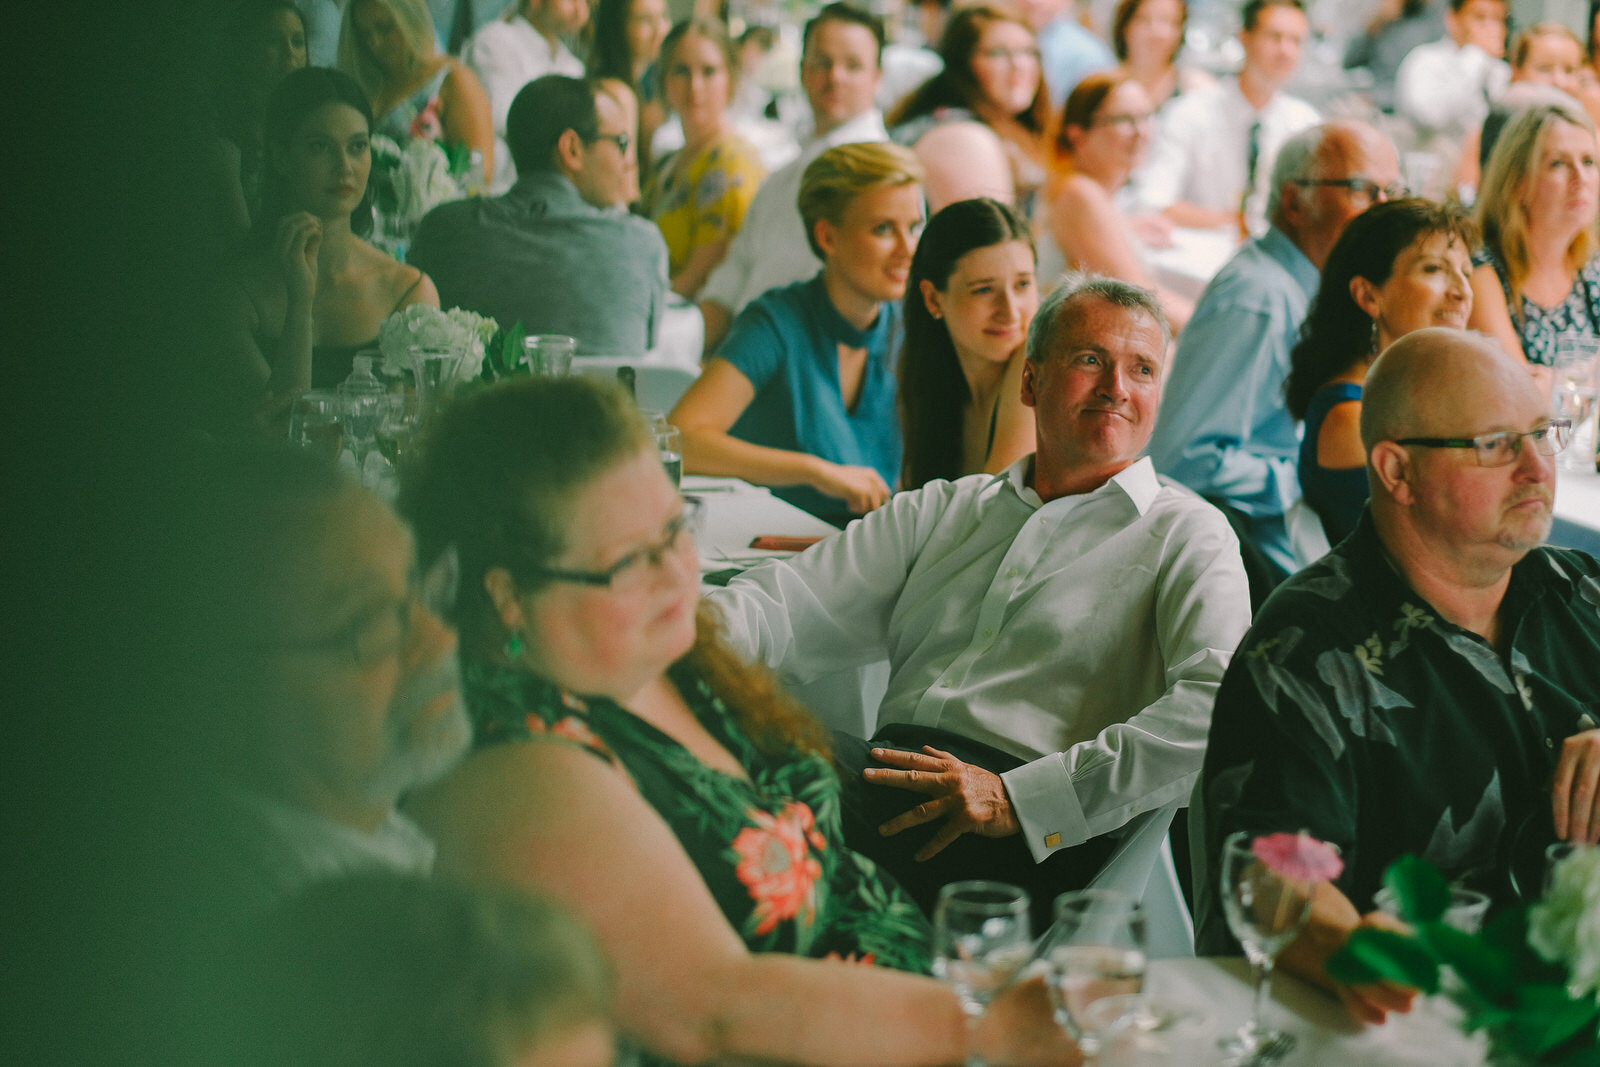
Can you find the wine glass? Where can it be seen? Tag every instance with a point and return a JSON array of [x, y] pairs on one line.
[[1096, 949], [1573, 389], [1265, 911], [980, 941]]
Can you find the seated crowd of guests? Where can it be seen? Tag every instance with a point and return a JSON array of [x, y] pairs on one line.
[[492, 745]]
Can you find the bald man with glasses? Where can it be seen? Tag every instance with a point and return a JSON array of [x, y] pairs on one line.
[[1431, 686]]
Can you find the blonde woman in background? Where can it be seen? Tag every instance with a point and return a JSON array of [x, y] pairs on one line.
[[700, 193], [1538, 274], [388, 47]]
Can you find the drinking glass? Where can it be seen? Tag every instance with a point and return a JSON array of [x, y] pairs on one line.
[[980, 941], [1572, 394], [670, 442], [1265, 911], [314, 422], [549, 355], [1465, 911], [1096, 949], [1120, 1038]]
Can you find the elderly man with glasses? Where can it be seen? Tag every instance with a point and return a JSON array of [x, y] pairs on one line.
[[1430, 687], [1224, 429], [559, 252]]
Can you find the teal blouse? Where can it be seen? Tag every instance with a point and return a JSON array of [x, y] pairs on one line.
[[770, 849]]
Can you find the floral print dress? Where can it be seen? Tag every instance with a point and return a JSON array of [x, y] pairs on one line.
[[770, 849], [701, 199]]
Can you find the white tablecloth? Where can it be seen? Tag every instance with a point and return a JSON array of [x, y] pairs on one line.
[[1219, 991], [1195, 255], [1577, 511]]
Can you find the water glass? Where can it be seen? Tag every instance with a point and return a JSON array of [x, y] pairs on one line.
[[670, 443], [549, 355], [1121, 1038], [1573, 389], [1265, 911], [981, 941], [1465, 911], [314, 422], [1096, 949]]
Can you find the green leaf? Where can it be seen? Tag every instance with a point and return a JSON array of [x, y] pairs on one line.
[[1487, 971], [1546, 1015], [1421, 890], [1371, 955]]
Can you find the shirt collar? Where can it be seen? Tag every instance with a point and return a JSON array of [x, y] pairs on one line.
[[837, 326], [867, 126], [555, 189], [1137, 481], [1276, 244]]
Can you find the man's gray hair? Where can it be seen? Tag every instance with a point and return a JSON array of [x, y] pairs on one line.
[[1074, 285], [1295, 160]]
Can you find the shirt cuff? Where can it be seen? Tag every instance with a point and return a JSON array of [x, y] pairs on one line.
[[1046, 804]]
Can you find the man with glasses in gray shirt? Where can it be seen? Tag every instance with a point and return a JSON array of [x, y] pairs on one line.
[[559, 252]]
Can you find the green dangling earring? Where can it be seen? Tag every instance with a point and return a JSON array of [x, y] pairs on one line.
[[515, 646]]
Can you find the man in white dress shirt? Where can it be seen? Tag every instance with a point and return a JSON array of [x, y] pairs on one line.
[[840, 67], [523, 44], [1445, 87], [1212, 155], [1055, 632]]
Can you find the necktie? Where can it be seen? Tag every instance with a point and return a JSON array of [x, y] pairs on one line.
[[461, 29]]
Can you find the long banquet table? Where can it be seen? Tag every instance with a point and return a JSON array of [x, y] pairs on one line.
[[1218, 991]]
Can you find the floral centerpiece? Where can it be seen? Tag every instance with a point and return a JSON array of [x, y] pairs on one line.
[[465, 333], [409, 181], [1530, 979]]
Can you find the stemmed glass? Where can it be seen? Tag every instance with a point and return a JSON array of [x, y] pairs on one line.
[[1096, 949], [1574, 383], [1265, 911], [981, 940]]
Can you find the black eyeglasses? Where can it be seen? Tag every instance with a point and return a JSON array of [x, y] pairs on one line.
[[632, 569], [621, 140], [1366, 188], [1502, 448], [367, 639]]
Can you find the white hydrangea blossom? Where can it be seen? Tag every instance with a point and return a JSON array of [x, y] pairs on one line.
[[1564, 927], [457, 330]]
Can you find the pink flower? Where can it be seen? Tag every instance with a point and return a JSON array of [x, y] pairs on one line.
[[426, 126], [776, 866], [1298, 856]]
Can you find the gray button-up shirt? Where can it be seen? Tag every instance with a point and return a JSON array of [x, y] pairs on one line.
[[543, 256]]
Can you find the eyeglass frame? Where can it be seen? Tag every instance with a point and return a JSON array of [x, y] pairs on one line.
[[1557, 432], [1009, 55], [1361, 186], [686, 521], [621, 140], [434, 590], [1132, 120]]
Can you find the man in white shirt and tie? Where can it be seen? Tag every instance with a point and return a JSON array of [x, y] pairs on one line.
[[1209, 162], [1055, 633], [840, 68]]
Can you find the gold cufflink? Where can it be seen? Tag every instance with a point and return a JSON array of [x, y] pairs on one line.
[[1052, 840]]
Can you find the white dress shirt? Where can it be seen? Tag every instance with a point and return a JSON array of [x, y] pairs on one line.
[[1087, 635], [770, 248], [1201, 151], [1445, 88], [508, 55]]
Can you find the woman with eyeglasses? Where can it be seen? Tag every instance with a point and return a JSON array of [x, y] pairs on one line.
[[1399, 266], [1103, 134], [978, 124], [630, 765], [1538, 274]]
